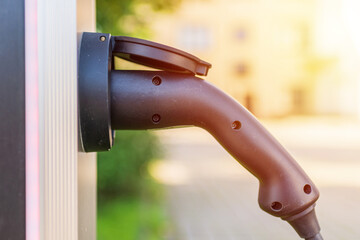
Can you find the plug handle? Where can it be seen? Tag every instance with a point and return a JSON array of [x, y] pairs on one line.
[[155, 99]]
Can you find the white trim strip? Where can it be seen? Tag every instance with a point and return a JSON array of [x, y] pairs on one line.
[[32, 122]]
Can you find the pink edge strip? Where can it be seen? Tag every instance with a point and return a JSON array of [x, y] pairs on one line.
[[32, 122]]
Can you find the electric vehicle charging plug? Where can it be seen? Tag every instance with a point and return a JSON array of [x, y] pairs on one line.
[[110, 99]]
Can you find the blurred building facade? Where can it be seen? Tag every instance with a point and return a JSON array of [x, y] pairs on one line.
[[277, 57]]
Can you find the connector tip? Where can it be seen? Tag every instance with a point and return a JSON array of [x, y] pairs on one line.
[[316, 237]]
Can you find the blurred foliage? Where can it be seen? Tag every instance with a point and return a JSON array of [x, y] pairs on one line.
[[130, 17], [129, 218], [122, 170], [129, 202]]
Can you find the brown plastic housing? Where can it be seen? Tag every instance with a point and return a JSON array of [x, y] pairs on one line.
[[157, 99]]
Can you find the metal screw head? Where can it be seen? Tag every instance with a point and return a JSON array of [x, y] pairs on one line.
[[102, 38], [307, 189], [236, 125], [156, 118], [156, 80], [276, 206]]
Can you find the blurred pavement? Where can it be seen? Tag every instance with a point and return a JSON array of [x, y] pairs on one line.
[[211, 197]]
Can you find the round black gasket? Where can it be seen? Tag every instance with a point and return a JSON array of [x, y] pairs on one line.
[[94, 92]]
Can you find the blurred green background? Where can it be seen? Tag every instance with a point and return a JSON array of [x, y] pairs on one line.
[[129, 201]]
